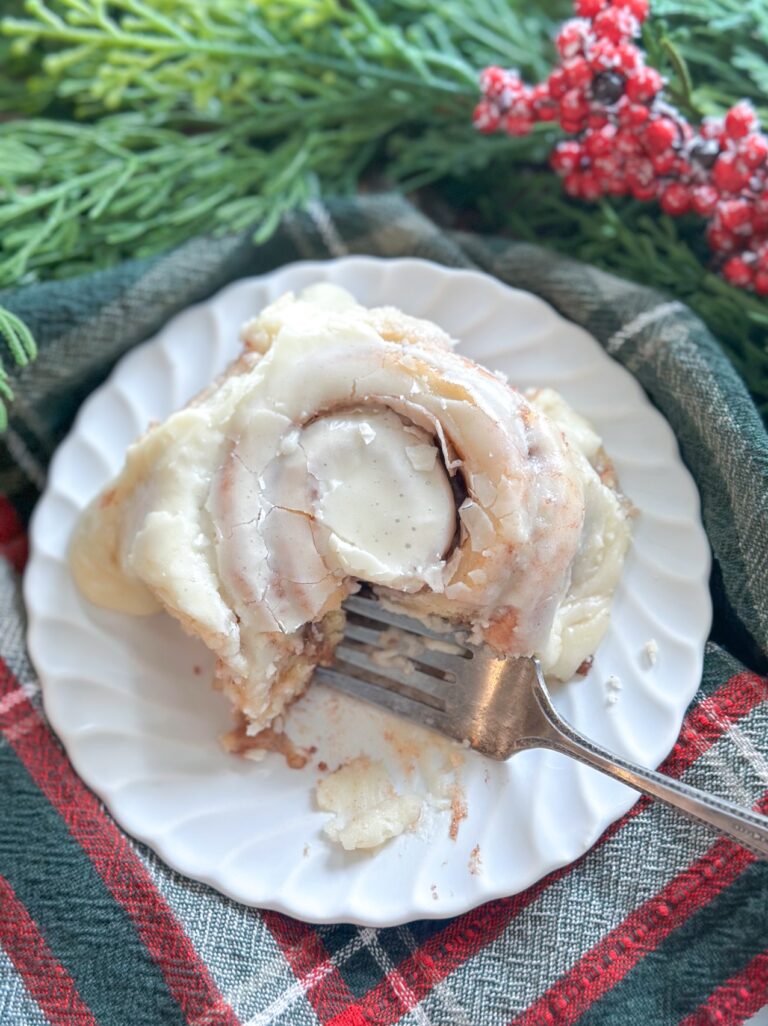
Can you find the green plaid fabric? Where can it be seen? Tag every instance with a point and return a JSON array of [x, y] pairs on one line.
[[660, 923]]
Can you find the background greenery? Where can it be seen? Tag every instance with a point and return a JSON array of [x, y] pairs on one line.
[[128, 126]]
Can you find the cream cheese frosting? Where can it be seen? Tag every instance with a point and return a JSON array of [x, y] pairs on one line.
[[350, 445]]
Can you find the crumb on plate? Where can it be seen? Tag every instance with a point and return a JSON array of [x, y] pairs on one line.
[[651, 651], [612, 687], [475, 861], [367, 809]]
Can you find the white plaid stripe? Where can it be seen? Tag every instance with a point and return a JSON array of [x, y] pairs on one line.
[[20, 728], [13, 628], [300, 239], [20, 694], [324, 223], [397, 983], [298, 989], [442, 1004], [17, 1006], [31, 466], [639, 323]]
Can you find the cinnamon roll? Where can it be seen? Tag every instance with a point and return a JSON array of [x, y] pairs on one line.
[[350, 445]]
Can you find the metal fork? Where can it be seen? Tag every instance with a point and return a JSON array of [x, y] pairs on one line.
[[497, 705]]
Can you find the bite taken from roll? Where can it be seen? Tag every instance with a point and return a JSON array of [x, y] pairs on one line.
[[350, 445]]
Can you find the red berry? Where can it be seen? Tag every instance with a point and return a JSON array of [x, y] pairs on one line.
[[608, 166], [727, 175], [599, 143], [628, 57], [704, 199], [735, 215], [596, 120], [664, 163], [719, 239], [558, 85], [517, 124], [737, 272], [603, 55], [572, 37], [632, 113], [499, 83], [760, 225], [644, 85], [627, 142], [486, 117], [566, 157], [590, 186], [577, 72], [645, 192], [573, 106], [543, 107], [762, 258], [571, 127], [753, 150], [521, 104], [675, 199], [638, 7], [761, 202], [588, 8], [761, 283], [616, 24], [640, 174], [740, 120], [614, 185], [659, 135]]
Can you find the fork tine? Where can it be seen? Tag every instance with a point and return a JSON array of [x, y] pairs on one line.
[[433, 689], [374, 610], [370, 636], [383, 696]]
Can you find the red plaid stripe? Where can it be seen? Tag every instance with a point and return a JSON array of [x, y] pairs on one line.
[[312, 966], [736, 999], [13, 538], [44, 976], [642, 931], [463, 938], [186, 976]]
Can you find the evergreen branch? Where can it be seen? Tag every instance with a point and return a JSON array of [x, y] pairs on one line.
[[149, 121], [20, 342]]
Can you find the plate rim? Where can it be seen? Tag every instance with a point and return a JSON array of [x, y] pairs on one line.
[[448, 907]]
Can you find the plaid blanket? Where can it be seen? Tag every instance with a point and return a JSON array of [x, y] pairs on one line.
[[660, 923]]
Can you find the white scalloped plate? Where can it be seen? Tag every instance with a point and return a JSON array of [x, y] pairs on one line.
[[129, 697]]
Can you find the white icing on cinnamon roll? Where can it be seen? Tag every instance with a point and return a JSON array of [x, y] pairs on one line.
[[355, 445]]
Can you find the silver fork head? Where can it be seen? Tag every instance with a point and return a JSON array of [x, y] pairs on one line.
[[438, 679]]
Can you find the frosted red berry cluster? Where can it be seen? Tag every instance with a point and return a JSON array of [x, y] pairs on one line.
[[631, 142]]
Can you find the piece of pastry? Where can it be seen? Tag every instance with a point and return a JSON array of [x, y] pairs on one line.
[[349, 445]]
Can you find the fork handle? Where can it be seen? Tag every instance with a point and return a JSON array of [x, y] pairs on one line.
[[748, 828]]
